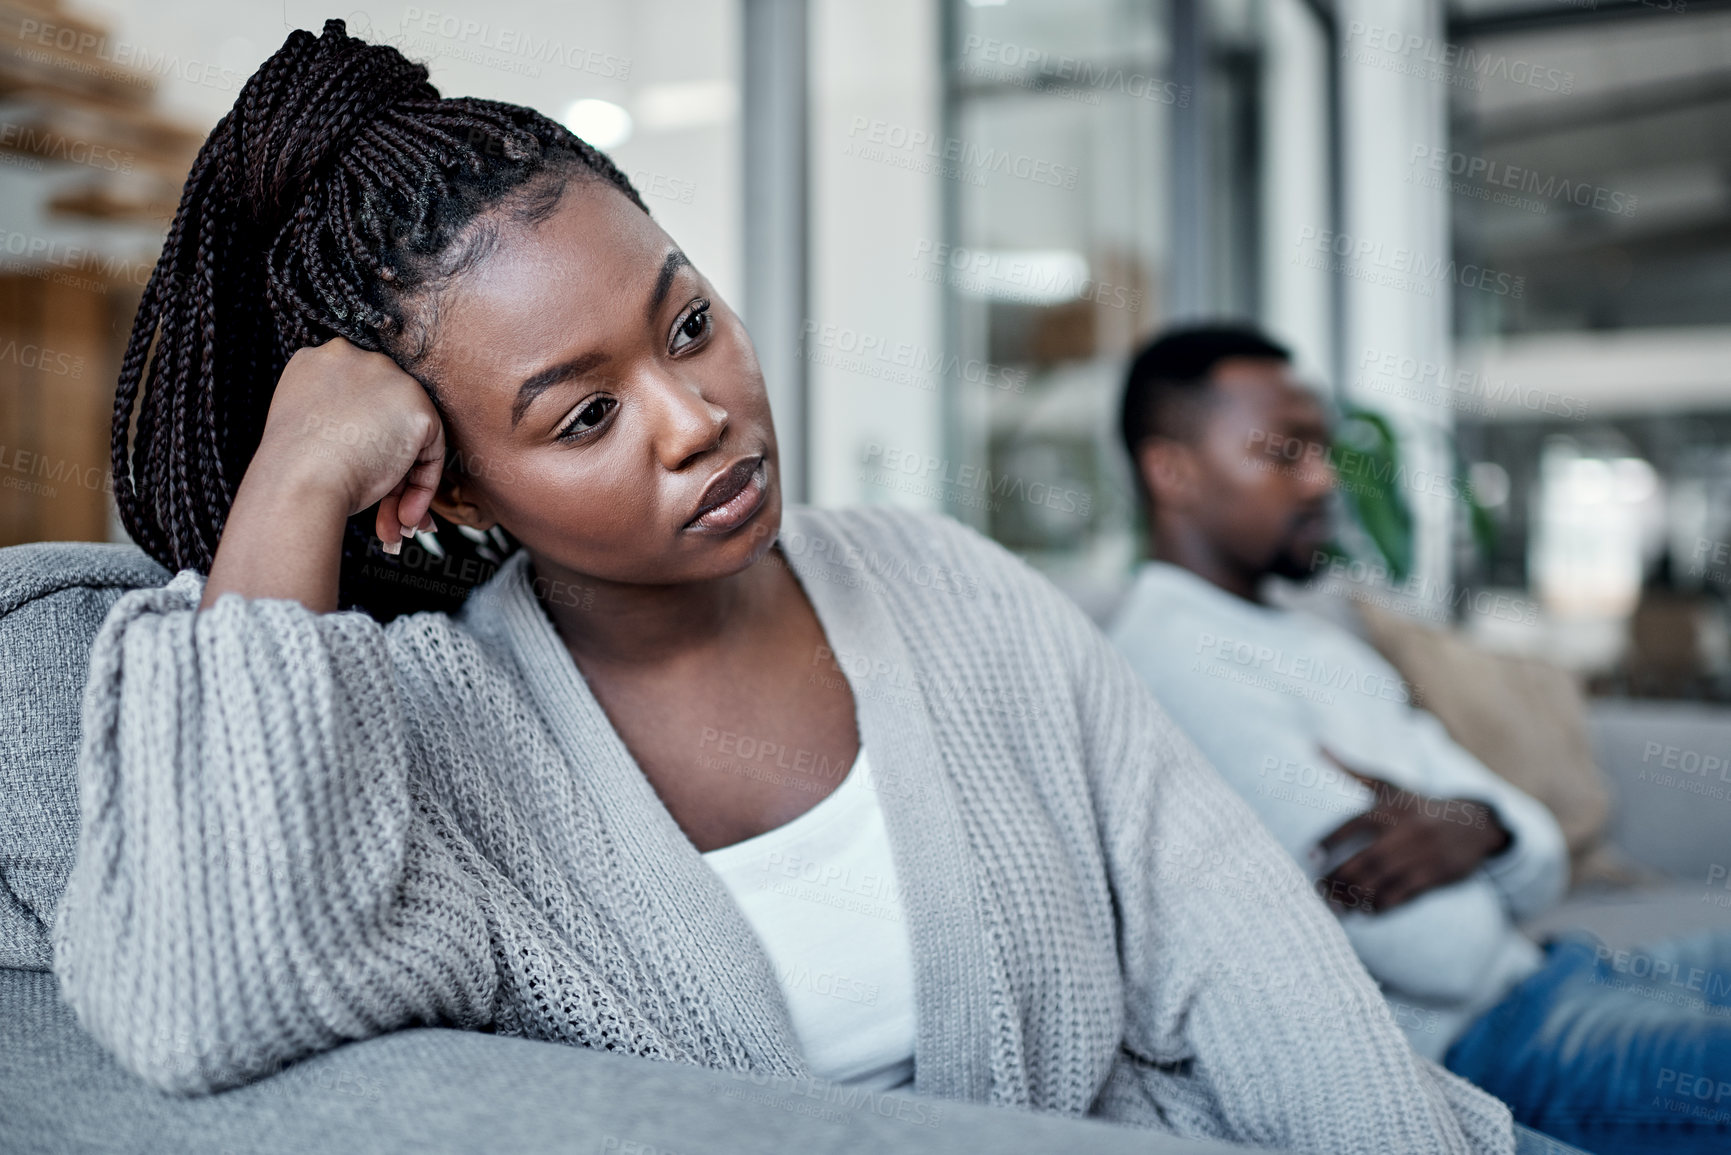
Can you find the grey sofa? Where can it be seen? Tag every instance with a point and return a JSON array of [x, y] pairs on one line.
[[423, 1090], [1673, 822]]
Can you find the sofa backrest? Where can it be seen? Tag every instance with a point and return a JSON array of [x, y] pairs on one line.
[[1670, 766], [1524, 718], [53, 598]]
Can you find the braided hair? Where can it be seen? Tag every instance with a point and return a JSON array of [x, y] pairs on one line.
[[339, 186]]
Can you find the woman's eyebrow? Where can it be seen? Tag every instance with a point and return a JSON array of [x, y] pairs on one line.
[[544, 380], [534, 386], [664, 280]]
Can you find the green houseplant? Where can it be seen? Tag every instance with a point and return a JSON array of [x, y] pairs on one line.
[[1366, 455]]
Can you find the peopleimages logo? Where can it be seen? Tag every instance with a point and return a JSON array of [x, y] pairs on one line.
[[872, 564], [902, 362], [1011, 278], [900, 139], [127, 63], [968, 476], [41, 357], [1039, 68], [1416, 595], [521, 45], [784, 1094], [58, 146], [1400, 268], [80, 259], [28, 471], [654, 184], [1500, 175], [1460, 65], [1384, 371], [1301, 668]]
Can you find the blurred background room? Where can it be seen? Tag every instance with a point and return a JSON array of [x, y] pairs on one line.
[[1497, 231]]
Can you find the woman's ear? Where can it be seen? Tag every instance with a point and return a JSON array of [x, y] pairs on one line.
[[450, 503]]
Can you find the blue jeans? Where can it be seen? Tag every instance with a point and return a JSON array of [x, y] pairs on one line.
[[1616, 1052], [1530, 1142]]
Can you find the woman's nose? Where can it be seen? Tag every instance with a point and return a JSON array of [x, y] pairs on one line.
[[687, 423]]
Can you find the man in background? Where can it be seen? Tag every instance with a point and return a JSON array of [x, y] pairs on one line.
[[1429, 857]]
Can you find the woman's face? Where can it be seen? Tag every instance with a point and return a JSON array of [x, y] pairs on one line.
[[600, 396]]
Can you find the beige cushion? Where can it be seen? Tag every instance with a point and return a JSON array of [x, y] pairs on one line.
[[1524, 718]]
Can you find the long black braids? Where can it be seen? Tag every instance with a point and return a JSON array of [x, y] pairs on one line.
[[339, 185]]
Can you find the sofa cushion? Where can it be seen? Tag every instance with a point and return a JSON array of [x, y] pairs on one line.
[[1630, 919], [428, 1090], [53, 598], [1524, 718]]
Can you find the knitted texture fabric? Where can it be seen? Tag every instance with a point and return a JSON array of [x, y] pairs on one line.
[[299, 829]]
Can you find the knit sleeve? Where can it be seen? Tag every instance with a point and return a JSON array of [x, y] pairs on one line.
[[258, 877], [1248, 1017]]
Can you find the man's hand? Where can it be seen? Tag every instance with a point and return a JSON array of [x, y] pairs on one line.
[[1417, 843]]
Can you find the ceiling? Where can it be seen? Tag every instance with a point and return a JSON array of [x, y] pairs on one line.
[[1614, 160]]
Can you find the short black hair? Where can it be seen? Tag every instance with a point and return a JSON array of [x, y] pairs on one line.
[[1169, 375]]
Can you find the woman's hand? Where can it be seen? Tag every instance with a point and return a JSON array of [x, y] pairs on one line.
[[353, 420], [346, 428]]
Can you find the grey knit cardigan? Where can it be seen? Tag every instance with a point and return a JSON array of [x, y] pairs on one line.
[[299, 829]]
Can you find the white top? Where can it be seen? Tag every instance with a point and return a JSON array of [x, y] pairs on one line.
[[1261, 691], [821, 894]]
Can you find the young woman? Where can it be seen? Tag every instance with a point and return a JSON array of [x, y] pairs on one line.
[[854, 795]]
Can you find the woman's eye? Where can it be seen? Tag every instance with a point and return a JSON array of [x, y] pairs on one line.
[[695, 325], [589, 416]]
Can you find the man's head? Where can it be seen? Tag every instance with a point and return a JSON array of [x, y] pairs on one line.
[[1232, 455]]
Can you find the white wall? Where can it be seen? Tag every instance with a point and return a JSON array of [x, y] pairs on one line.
[[1297, 299], [619, 52], [874, 62], [1390, 101]]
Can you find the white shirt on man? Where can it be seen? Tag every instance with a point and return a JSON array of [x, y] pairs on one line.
[[1263, 692]]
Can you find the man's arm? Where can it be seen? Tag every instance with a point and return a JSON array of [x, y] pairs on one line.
[[1248, 1016], [1408, 843], [1435, 946], [1532, 871]]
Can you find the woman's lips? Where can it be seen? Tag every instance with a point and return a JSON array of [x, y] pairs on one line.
[[731, 499]]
